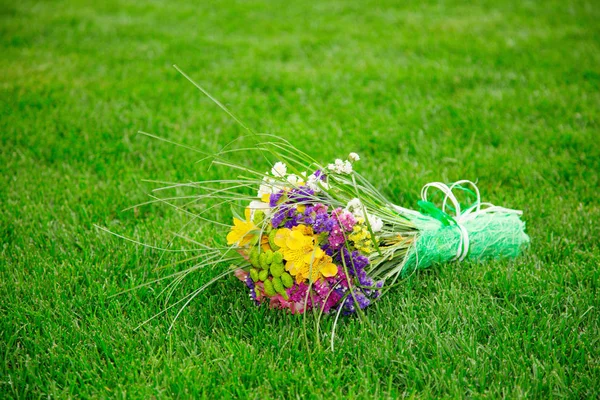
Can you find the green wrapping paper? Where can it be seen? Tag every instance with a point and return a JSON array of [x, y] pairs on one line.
[[491, 236]]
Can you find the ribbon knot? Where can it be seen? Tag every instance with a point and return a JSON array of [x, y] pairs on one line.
[[457, 216]]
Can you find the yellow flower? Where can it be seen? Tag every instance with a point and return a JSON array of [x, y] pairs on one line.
[[285, 237], [305, 229], [241, 231], [361, 237], [302, 255], [321, 266]]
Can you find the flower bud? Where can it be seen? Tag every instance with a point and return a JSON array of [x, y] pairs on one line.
[[276, 269], [272, 240], [254, 274], [263, 275], [287, 280], [278, 286], [262, 260], [277, 258], [269, 289], [259, 217], [269, 256], [253, 256]]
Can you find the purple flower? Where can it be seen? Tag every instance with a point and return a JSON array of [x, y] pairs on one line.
[[301, 195], [291, 211], [361, 299], [250, 283], [293, 221], [278, 218], [274, 198], [377, 293], [327, 297], [364, 279], [322, 223], [354, 299], [349, 305], [355, 261], [328, 250], [348, 222], [339, 280], [319, 175], [331, 301]]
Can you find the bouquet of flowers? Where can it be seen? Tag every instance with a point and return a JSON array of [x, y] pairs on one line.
[[321, 237]]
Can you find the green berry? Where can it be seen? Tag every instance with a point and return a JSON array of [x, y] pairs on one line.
[[278, 286], [272, 240], [254, 274], [277, 258], [269, 254], [262, 260], [276, 270], [259, 216], [263, 275], [269, 289], [287, 280], [253, 256]]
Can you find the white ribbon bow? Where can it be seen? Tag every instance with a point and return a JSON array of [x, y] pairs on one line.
[[459, 216]]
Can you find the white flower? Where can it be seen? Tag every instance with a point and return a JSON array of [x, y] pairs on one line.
[[279, 169], [267, 187], [347, 168], [256, 205], [264, 189], [312, 183], [353, 157], [295, 180], [337, 166], [316, 184], [356, 208], [341, 167], [375, 222], [354, 204]]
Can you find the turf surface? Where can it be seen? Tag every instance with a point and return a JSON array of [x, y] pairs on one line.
[[503, 92]]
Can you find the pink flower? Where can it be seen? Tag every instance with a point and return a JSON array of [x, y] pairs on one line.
[[320, 208], [277, 301], [241, 274], [297, 307], [345, 219], [336, 237]]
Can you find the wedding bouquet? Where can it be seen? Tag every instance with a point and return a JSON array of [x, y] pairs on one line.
[[322, 237]]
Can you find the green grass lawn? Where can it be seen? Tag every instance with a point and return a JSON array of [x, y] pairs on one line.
[[506, 93]]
